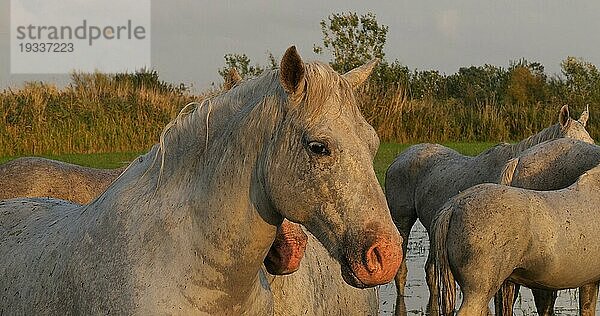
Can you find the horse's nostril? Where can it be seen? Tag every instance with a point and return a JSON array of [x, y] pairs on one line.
[[374, 259], [379, 262]]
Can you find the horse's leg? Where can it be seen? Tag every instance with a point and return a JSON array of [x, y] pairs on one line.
[[404, 225], [480, 275], [478, 289], [475, 302], [588, 295], [432, 284], [505, 298], [400, 285], [544, 301]]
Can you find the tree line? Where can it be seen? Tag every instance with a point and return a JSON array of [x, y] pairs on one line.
[[352, 39]]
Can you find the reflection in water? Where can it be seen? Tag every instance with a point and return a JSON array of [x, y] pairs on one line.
[[417, 293]]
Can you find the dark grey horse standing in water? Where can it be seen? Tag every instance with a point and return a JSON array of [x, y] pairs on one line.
[[423, 177], [186, 227]]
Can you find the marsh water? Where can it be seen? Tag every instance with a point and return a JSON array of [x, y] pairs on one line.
[[417, 293]]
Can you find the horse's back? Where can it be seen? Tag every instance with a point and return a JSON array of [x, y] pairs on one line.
[[411, 162], [40, 177], [486, 227], [18, 211], [555, 165]]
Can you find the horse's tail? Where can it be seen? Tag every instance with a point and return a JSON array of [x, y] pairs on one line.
[[444, 277], [508, 172]]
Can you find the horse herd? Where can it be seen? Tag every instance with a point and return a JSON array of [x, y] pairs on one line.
[[207, 221]]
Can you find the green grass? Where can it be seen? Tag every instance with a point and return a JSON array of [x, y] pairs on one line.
[[386, 154]]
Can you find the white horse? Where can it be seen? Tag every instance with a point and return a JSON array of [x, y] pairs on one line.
[[551, 165], [186, 227], [423, 177], [541, 239]]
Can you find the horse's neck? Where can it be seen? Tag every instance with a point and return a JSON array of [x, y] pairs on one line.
[[206, 210], [546, 134]]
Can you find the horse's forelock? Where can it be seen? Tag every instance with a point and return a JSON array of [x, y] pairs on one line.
[[326, 92]]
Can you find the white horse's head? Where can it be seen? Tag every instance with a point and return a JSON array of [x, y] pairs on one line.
[[319, 170]]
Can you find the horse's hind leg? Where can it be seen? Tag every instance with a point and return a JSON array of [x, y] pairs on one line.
[[588, 295], [404, 225], [475, 302], [505, 298], [544, 301], [430, 276], [400, 284]]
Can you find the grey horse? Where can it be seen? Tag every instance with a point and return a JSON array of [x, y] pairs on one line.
[[423, 177], [185, 228], [315, 288], [541, 239]]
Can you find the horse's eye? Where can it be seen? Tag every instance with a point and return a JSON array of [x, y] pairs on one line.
[[318, 148]]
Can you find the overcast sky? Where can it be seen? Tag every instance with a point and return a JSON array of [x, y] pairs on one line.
[[190, 37]]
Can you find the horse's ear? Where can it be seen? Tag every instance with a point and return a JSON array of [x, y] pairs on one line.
[[291, 73], [231, 79], [584, 116], [564, 116], [358, 75]]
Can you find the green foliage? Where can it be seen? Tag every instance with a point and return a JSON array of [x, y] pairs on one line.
[[142, 78], [477, 84], [427, 84], [241, 63], [582, 81], [352, 40], [394, 74], [527, 83], [399, 118]]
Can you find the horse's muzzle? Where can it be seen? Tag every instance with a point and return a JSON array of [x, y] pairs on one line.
[[377, 263]]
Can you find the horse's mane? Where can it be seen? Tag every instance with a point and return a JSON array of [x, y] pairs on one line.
[[258, 101], [508, 172], [548, 133]]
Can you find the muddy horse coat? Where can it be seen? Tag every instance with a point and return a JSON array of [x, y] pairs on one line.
[[186, 227]]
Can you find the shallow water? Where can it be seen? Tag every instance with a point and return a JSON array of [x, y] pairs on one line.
[[417, 293]]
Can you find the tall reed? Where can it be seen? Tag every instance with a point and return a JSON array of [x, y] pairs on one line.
[[126, 112], [398, 118]]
